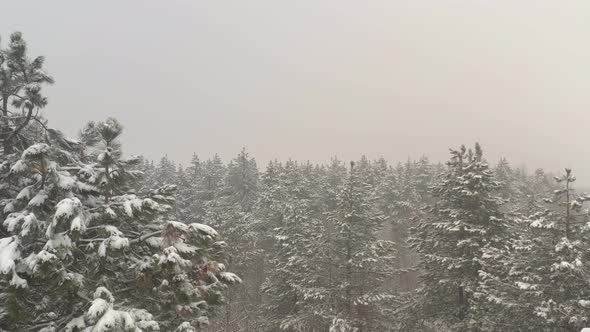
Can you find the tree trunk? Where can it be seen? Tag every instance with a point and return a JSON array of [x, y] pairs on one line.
[[4, 130]]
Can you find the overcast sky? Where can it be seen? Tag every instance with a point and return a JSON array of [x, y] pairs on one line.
[[308, 79]]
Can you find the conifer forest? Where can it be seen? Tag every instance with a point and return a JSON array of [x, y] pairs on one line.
[[96, 239]]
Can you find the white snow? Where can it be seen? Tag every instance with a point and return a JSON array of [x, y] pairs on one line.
[[30, 221], [112, 230], [9, 207], [76, 324], [178, 225], [230, 277], [17, 281], [102, 249], [117, 242], [19, 167], [78, 224], [144, 320], [25, 193], [185, 248], [525, 286], [66, 181], [39, 199], [155, 241], [60, 240], [103, 293], [67, 207], [33, 261], [204, 229], [171, 256], [8, 254], [100, 309], [185, 327], [110, 212], [35, 150], [131, 205], [12, 221]]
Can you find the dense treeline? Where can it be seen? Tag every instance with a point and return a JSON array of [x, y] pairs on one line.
[[92, 240], [409, 247]]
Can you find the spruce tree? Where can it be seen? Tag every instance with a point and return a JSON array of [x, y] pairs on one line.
[[361, 261], [297, 281], [464, 220], [539, 281], [230, 211]]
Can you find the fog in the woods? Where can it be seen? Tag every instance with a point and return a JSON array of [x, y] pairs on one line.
[[308, 79], [294, 166]]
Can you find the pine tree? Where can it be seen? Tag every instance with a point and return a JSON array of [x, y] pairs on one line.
[[184, 196], [450, 239], [297, 281], [230, 211], [165, 172], [195, 170], [504, 175], [78, 251], [213, 177], [328, 273], [402, 194], [21, 80], [362, 262], [534, 191], [242, 181], [540, 280]]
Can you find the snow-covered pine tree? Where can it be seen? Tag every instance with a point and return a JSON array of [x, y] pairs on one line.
[[401, 196], [213, 177], [79, 252], [539, 280], [21, 80], [365, 171], [423, 171], [230, 211], [504, 174], [533, 192], [192, 201], [361, 262], [148, 180], [184, 195], [242, 181], [332, 178], [411, 185], [195, 169], [380, 171], [298, 279], [165, 172], [464, 219]]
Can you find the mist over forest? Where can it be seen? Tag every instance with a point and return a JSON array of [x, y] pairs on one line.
[[313, 167]]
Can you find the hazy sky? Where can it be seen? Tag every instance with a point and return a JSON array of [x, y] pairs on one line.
[[309, 79]]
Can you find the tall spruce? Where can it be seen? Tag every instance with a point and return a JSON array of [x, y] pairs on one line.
[[465, 219], [362, 263], [539, 281]]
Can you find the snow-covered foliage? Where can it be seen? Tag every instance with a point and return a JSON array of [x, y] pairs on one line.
[[93, 241], [329, 266], [297, 294], [21, 97], [80, 252], [451, 238], [539, 279]]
